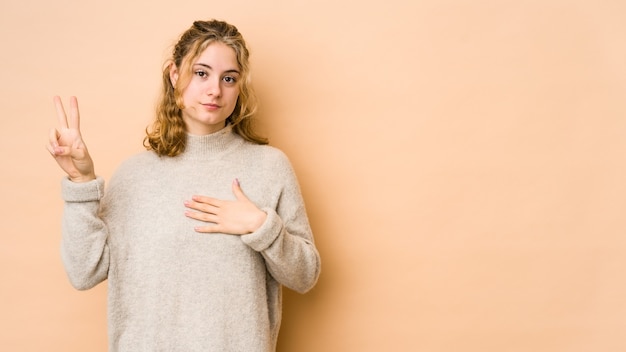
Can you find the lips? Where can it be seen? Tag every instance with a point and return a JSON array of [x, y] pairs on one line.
[[211, 106]]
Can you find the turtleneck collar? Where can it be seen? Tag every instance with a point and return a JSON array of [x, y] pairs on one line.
[[210, 145]]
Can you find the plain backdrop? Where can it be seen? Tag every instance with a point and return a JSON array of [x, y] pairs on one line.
[[462, 162]]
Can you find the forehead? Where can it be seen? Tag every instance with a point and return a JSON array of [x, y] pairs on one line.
[[218, 56]]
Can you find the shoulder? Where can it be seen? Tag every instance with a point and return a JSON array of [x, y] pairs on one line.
[[134, 164], [266, 155], [139, 159]]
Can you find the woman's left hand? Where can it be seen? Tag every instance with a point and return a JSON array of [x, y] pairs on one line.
[[234, 217]]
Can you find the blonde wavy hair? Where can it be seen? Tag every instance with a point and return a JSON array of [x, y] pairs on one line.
[[167, 135]]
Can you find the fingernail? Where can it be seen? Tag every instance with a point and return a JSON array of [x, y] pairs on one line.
[[237, 181]]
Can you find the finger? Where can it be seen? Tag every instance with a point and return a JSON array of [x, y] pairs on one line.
[[207, 200], [50, 149], [212, 220], [53, 144], [203, 207], [237, 190], [74, 115], [201, 216], [77, 153], [62, 151], [60, 112], [208, 229], [53, 138]]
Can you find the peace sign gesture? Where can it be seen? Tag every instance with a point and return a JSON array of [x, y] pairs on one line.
[[66, 144]]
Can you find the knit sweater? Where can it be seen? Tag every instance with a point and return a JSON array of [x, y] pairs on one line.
[[171, 288]]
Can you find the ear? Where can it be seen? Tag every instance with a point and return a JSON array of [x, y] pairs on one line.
[[173, 74]]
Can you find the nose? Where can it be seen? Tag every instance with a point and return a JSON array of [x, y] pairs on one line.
[[214, 87]]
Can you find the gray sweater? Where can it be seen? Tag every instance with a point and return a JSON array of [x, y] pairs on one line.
[[171, 288]]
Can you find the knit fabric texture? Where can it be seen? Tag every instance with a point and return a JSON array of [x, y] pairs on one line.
[[171, 288]]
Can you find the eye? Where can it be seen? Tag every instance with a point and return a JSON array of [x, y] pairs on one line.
[[201, 73], [230, 79]]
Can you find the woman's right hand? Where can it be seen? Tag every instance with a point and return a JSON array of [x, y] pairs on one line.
[[66, 144]]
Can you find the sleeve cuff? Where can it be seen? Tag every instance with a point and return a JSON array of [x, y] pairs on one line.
[[265, 235], [83, 191]]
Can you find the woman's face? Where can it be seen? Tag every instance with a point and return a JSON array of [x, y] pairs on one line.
[[211, 95]]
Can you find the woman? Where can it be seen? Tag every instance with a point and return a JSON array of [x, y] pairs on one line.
[[197, 234]]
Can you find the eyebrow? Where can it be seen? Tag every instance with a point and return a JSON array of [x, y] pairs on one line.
[[211, 68]]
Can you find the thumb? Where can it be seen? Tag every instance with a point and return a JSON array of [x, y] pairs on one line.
[[237, 190]]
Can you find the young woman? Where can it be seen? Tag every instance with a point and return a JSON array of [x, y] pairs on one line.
[[197, 235]]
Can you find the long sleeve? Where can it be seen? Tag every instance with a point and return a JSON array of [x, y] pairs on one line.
[[170, 287], [84, 249], [285, 239]]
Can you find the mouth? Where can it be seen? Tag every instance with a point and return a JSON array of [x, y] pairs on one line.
[[211, 106]]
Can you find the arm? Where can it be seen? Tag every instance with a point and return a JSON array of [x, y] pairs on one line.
[[285, 238], [84, 249], [286, 242], [282, 234], [83, 246]]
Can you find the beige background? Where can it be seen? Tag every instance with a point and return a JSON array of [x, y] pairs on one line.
[[462, 163]]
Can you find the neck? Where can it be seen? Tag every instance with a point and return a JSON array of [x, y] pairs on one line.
[[210, 145]]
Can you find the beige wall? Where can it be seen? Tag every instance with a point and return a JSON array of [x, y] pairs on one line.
[[462, 162]]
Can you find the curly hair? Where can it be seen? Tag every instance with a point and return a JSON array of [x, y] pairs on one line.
[[167, 134]]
